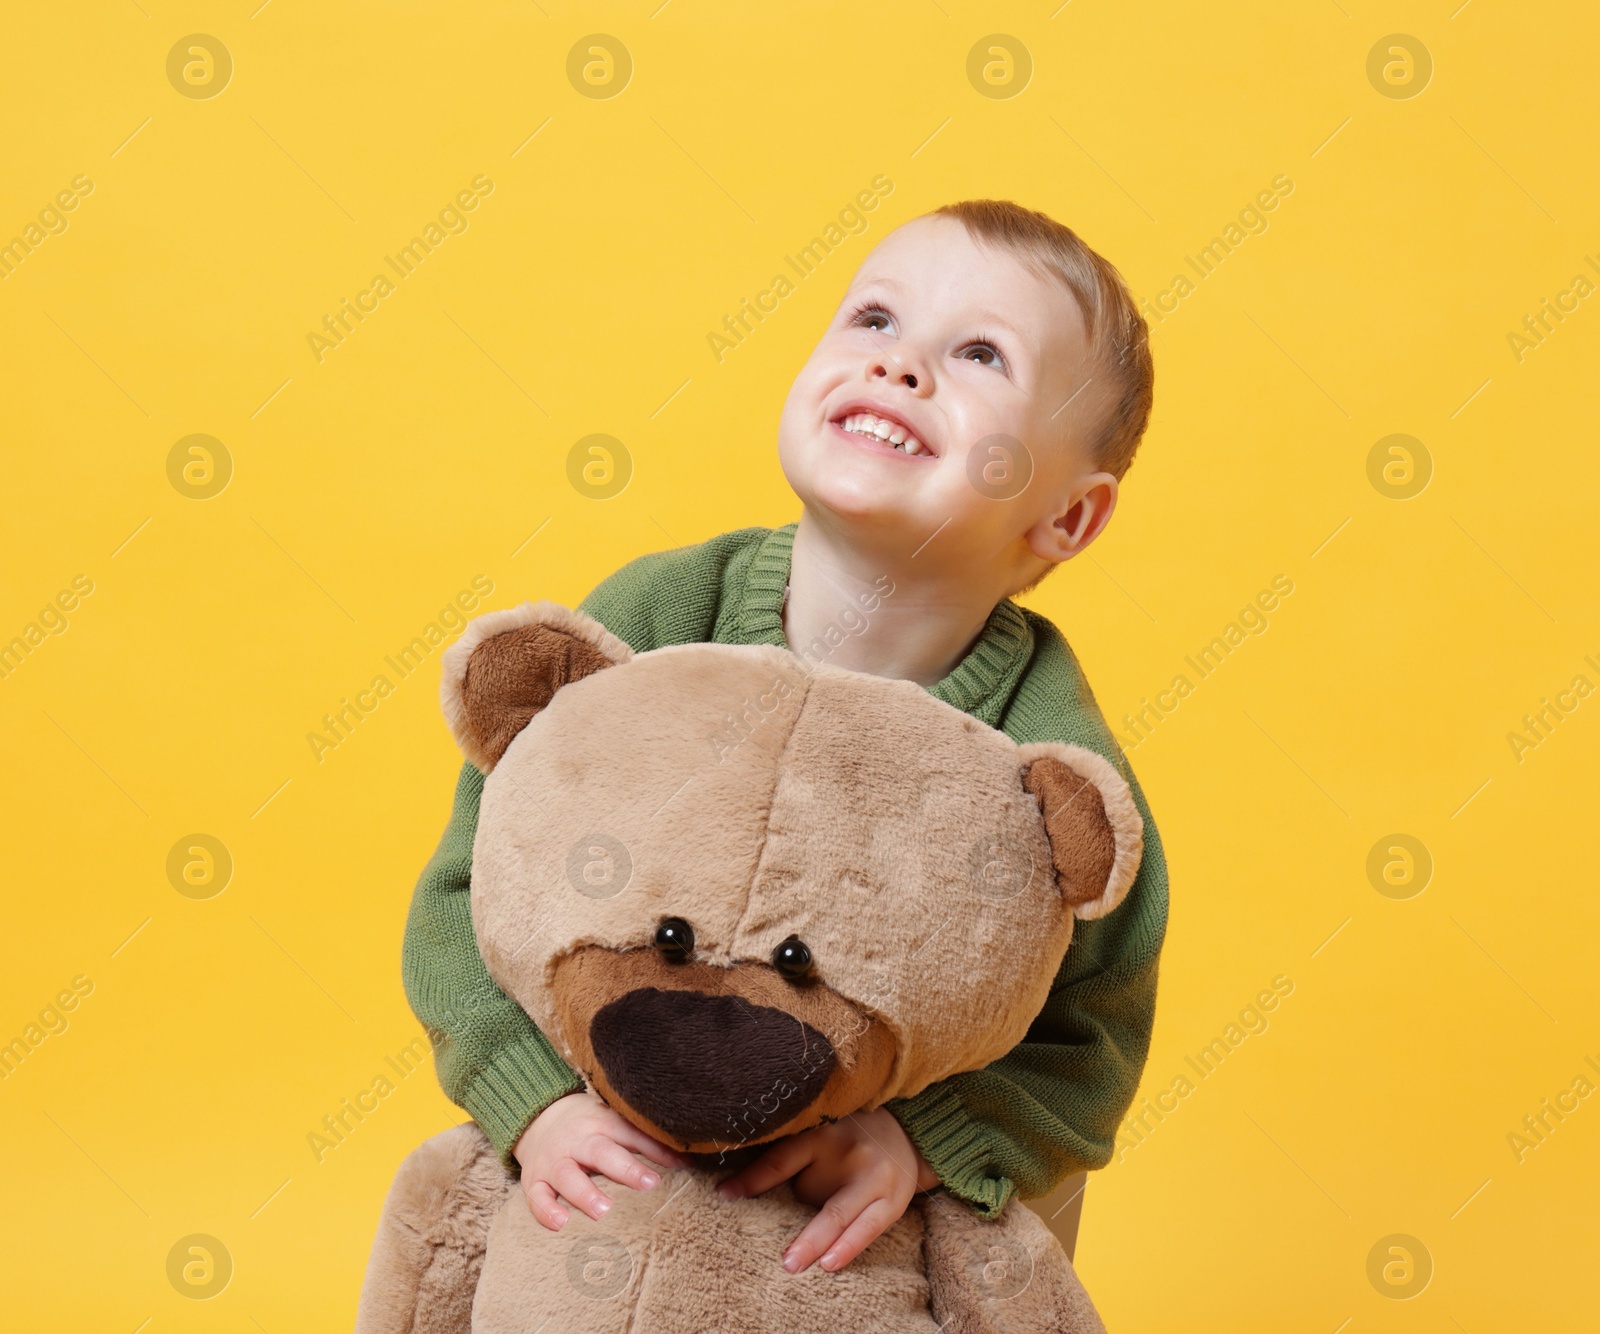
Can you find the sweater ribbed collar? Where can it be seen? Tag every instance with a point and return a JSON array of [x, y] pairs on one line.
[[981, 684]]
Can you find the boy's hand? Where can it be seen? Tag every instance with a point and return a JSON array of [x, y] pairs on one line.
[[860, 1172], [573, 1136]]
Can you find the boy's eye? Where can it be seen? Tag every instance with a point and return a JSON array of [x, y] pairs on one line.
[[874, 318], [986, 355]]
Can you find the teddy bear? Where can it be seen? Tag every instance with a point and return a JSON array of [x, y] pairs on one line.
[[744, 893]]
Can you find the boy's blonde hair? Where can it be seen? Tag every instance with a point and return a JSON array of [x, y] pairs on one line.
[[1119, 339]]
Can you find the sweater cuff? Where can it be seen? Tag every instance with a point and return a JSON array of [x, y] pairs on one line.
[[524, 1078], [938, 1124]]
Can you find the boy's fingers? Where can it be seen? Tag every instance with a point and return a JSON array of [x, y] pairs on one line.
[[832, 1220], [574, 1184], [778, 1163], [607, 1156], [630, 1136], [870, 1224], [542, 1201]]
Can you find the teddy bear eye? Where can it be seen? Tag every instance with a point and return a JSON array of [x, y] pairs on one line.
[[675, 939], [792, 958]]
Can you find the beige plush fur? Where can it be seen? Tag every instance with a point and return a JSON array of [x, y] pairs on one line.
[[856, 814], [459, 1251], [760, 799], [426, 1258], [677, 1258], [1006, 1276]]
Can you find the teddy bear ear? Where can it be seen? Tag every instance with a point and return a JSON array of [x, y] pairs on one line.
[[508, 665], [1096, 832]]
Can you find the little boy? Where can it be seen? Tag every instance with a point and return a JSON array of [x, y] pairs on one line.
[[958, 432]]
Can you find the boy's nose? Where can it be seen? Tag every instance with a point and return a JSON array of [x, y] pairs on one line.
[[900, 365]]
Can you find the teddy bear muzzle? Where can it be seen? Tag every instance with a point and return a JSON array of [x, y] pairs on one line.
[[708, 1056], [709, 1068]]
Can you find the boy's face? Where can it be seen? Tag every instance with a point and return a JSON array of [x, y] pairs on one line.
[[968, 349]]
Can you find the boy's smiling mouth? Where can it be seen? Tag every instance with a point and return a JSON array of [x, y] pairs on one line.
[[874, 426]]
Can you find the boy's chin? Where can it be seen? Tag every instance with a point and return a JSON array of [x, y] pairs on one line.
[[861, 494], [874, 508]]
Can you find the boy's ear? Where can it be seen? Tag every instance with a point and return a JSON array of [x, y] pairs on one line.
[[508, 665], [1096, 832]]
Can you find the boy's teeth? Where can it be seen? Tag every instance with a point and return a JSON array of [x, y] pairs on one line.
[[864, 423]]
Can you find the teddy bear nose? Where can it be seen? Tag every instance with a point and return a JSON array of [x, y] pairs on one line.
[[709, 1068]]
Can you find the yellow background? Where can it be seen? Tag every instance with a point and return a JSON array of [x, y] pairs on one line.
[[427, 449]]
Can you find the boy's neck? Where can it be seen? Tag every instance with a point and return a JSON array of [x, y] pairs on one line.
[[918, 632]]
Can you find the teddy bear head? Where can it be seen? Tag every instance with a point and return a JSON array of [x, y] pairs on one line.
[[743, 894]]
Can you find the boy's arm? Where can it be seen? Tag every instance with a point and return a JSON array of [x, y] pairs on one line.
[[491, 1058], [1051, 1106]]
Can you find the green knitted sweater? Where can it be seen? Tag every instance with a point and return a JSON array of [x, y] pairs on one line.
[[1049, 1108]]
